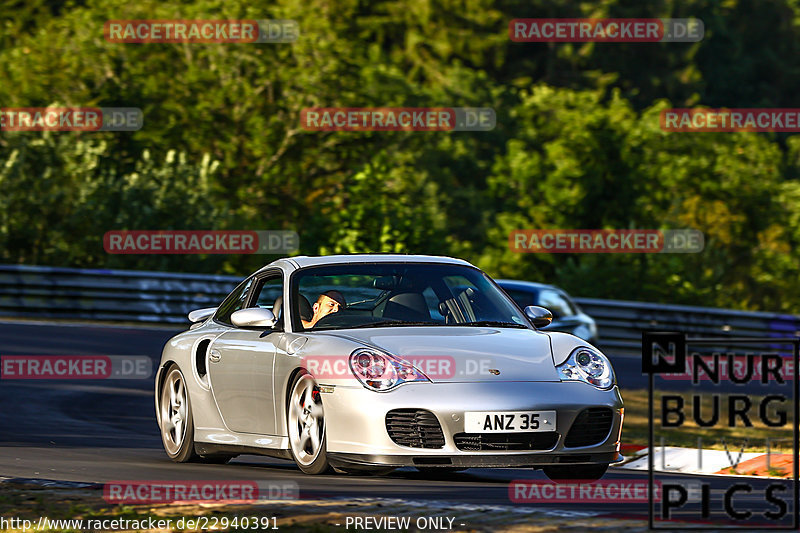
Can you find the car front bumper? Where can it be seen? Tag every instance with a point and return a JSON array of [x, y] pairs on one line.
[[357, 434], [532, 460]]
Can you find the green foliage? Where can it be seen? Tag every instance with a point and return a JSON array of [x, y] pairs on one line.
[[577, 142], [61, 195]]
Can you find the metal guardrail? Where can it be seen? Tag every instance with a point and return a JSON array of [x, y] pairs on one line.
[[621, 323], [162, 297], [115, 295]]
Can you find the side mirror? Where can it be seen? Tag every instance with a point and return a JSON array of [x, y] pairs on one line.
[[201, 314], [253, 317], [539, 316]]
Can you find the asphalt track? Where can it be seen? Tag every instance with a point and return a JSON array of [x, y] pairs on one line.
[[105, 430]]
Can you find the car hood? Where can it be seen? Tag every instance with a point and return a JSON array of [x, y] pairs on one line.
[[466, 354]]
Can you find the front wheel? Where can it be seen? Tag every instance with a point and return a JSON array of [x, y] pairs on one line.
[[306, 426], [177, 426], [576, 472]]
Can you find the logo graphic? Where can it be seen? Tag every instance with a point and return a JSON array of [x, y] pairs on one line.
[[605, 30], [201, 31], [729, 120], [200, 242], [398, 119], [605, 241], [735, 392], [71, 119], [75, 367], [576, 491], [663, 353]]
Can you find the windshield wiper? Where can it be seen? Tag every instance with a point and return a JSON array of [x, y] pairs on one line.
[[394, 323], [495, 323]]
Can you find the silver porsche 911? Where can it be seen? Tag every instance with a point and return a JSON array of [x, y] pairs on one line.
[[365, 363]]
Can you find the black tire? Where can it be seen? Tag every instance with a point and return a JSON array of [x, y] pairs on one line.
[[316, 463], [178, 443], [575, 472]]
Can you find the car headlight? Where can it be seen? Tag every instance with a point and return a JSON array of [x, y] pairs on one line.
[[381, 372], [587, 365]]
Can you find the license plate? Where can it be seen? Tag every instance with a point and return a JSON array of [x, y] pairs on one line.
[[509, 421]]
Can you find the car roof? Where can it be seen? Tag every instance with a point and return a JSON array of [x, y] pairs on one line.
[[302, 261], [520, 284]]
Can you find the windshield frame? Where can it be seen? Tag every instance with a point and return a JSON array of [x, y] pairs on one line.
[[293, 290]]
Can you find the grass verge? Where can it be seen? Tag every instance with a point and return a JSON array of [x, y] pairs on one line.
[[635, 429]]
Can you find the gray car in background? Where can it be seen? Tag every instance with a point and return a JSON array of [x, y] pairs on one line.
[[567, 315]]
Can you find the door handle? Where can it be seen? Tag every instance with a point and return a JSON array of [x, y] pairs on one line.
[[214, 356]]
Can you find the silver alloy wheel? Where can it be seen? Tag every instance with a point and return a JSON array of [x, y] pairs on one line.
[[306, 420], [174, 407]]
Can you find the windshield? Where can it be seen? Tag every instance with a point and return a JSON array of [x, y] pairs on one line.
[[398, 294]]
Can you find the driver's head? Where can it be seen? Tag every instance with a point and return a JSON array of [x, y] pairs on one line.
[[327, 303]]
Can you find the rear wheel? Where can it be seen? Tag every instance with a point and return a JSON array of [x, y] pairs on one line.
[[575, 472], [177, 426], [306, 426]]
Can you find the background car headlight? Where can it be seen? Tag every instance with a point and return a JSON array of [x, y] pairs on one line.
[[588, 365], [380, 372]]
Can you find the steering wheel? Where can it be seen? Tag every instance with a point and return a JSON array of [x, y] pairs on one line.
[[339, 318]]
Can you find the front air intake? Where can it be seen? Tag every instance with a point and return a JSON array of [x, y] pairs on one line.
[[590, 427], [503, 442], [414, 428]]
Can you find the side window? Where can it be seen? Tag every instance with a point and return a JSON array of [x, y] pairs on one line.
[[556, 303], [233, 302], [270, 294]]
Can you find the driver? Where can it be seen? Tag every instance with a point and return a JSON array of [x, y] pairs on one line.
[[328, 302]]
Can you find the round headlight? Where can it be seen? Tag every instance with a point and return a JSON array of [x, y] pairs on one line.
[[380, 372], [364, 360], [373, 370], [588, 365]]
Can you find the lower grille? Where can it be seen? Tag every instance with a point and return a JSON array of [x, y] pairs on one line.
[[590, 427], [415, 428], [480, 442]]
